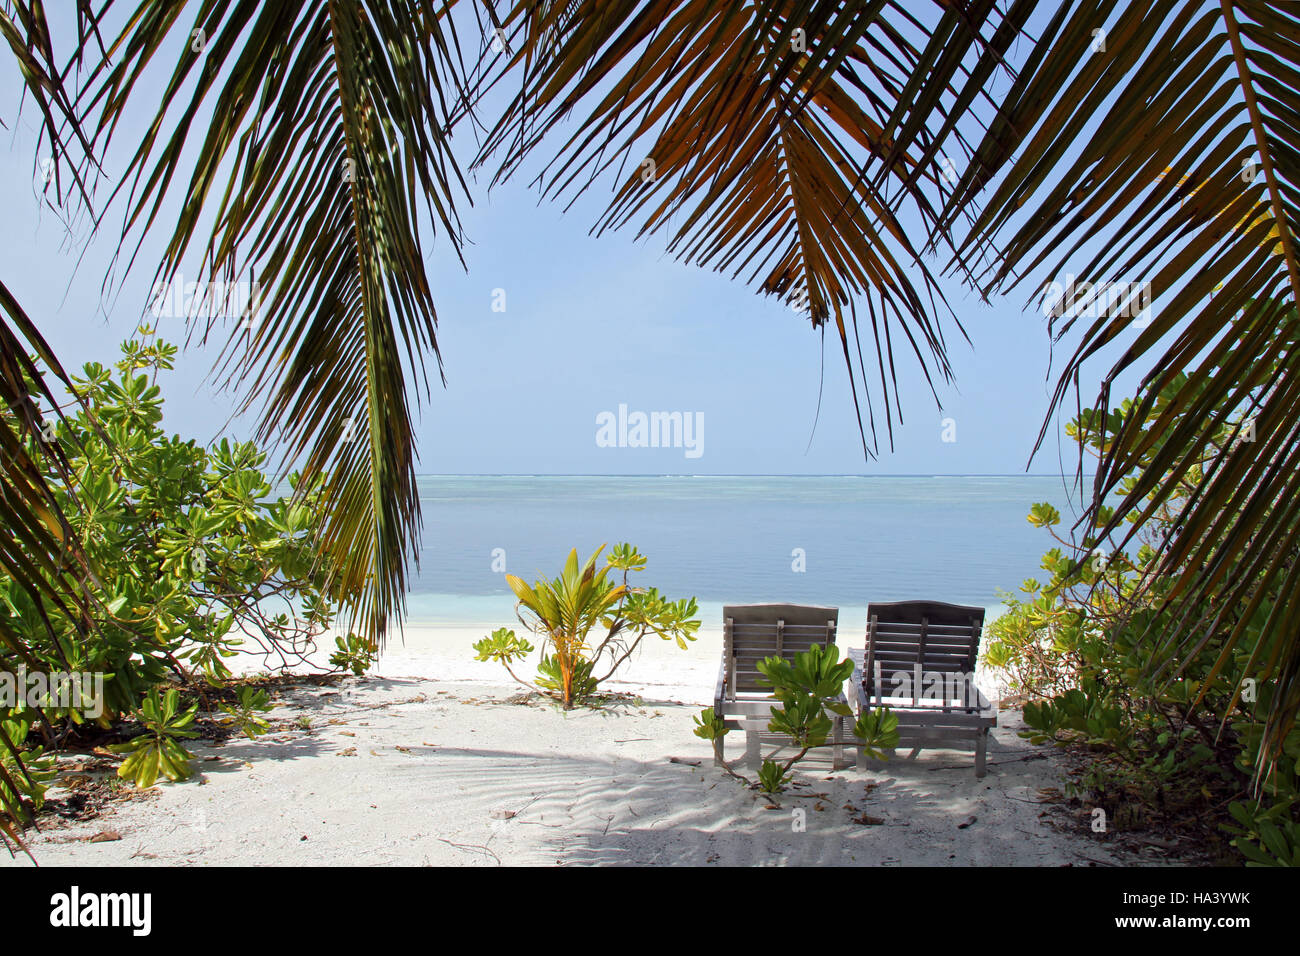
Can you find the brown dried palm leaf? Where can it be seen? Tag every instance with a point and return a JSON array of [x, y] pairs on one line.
[[759, 137]]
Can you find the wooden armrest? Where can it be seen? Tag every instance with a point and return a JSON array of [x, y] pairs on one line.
[[856, 655], [720, 690]]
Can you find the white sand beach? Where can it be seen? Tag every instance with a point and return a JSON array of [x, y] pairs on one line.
[[435, 760]]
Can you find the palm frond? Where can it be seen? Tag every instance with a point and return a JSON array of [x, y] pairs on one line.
[[327, 120], [38, 551], [759, 138], [1190, 180]]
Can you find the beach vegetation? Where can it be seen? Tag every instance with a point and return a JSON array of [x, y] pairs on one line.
[[353, 653], [564, 611], [808, 691], [772, 777], [158, 749], [504, 647], [1177, 745], [551, 677], [709, 725], [24, 774], [247, 710], [194, 560]]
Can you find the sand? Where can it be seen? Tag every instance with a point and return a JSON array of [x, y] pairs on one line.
[[435, 760]]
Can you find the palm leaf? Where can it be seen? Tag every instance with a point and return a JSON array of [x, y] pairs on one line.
[[758, 137], [325, 121], [38, 552], [1188, 100]]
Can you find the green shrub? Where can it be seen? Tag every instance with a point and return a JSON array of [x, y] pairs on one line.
[[709, 725], [158, 750], [247, 713], [563, 611], [25, 782], [190, 560], [550, 677], [353, 653], [1176, 745], [807, 690], [772, 777]]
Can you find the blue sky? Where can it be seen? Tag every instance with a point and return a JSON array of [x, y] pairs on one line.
[[589, 324]]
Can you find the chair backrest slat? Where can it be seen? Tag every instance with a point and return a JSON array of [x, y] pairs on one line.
[[917, 638], [753, 632]]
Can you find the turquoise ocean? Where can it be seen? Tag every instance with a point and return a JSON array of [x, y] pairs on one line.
[[733, 539]]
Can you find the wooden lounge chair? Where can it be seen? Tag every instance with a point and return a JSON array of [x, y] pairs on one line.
[[920, 662], [750, 633]]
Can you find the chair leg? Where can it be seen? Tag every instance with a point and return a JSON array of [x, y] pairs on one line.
[[753, 749], [981, 744], [838, 752], [719, 758]]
